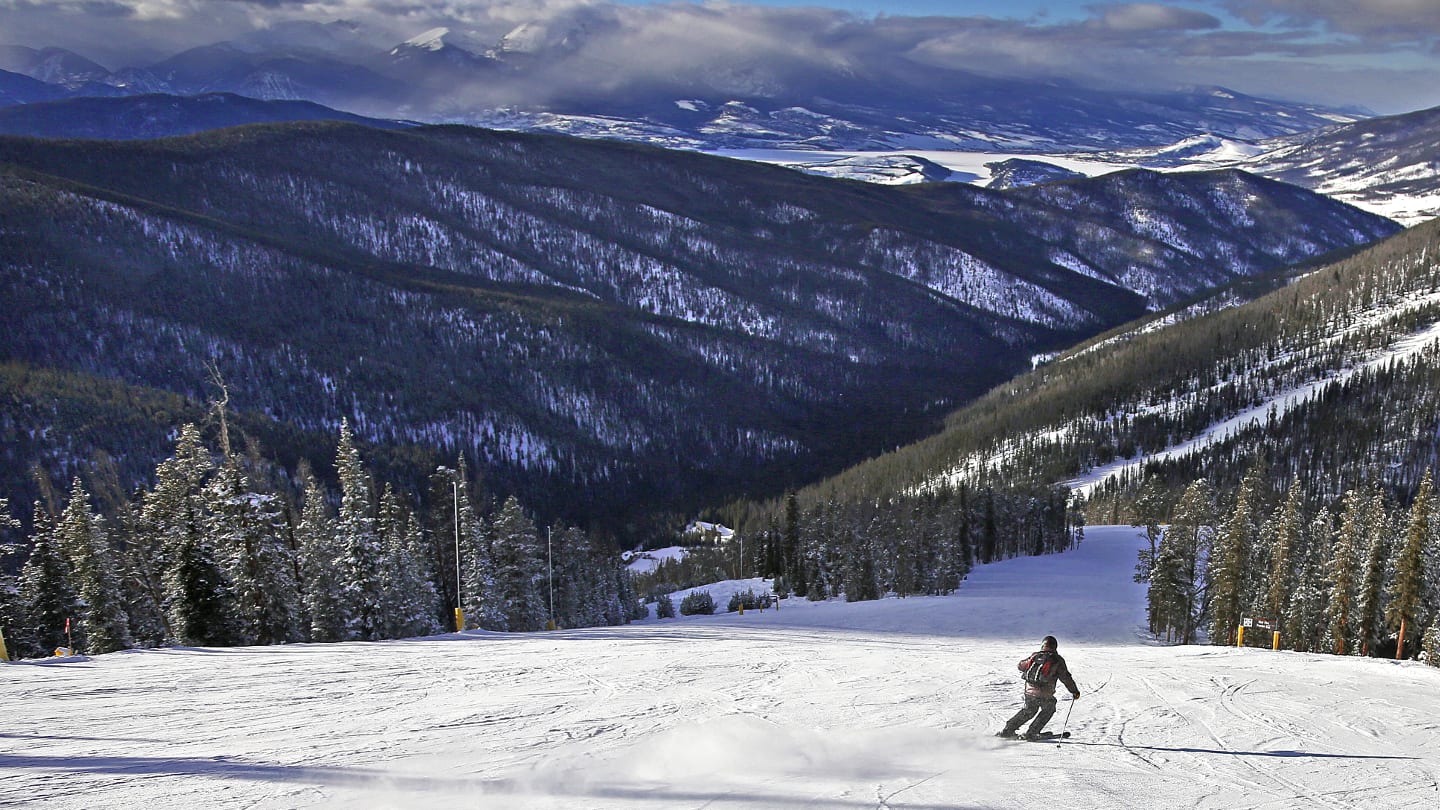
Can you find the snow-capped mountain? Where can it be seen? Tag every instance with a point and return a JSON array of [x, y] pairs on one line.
[[1387, 165], [55, 66], [544, 77], [653, 324]]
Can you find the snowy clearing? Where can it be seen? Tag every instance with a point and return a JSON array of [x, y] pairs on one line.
[[887, 704]]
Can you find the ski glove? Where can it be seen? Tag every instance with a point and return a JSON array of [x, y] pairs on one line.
[[1074, 695]]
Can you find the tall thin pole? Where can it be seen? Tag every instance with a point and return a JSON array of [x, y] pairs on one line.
[[459, 615], [550, 570]]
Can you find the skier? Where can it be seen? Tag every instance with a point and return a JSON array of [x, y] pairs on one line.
[[1042, 669]]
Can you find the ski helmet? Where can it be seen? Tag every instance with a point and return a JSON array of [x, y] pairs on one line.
[[1049, 643]]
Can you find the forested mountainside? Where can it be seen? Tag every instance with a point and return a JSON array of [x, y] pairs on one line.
[[601, 328], [156, 115], [1328, 383]]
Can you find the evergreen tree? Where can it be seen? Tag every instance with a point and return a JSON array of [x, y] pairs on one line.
[[170, 516], [1286, 537], [989, 531], [423, 607], [795, 573], [9, 585], [1229, 566], [482, 604], [1408, 588], [320, 587], [1183, 549], [248, 529], [103, 625], [1431, 644], [359, 544], [47, 600], [198, 600], [519, 568], [1304, 621], [1343, 573], [410, 603], [1148, 511], [1370, 600]]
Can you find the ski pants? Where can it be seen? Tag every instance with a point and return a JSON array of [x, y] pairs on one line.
[[1045, 706]]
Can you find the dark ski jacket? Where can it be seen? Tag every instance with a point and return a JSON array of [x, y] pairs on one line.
[[1059, 672]]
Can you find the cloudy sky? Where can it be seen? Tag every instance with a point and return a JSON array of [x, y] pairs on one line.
[[1382, 55]]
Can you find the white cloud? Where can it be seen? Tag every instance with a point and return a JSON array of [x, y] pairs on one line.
[[609, 46], [1140, 17]]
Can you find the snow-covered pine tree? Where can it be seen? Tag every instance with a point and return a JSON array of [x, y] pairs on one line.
[[249, 532], [320, 585], [103, 625], [409, 591], [1187, 543], [1286, 537], [519, 568], [576, 579], [964, 534], [819, 550], [1431, 644], [9, 585], [1408, 588], [170, 514], [422, 607], [1165, 605], [1147, 512], [795, 573], [1304, 620], [199, 603], [989, 531], [46, 598], [477, 570], [358, 542], [1370, 599], [1230, 562], [1342, 573]]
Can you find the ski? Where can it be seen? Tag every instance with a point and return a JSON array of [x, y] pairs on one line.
[[1047, 735], [1043, 736]]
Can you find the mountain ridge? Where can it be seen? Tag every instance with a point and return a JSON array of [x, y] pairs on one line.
[[792, 313]]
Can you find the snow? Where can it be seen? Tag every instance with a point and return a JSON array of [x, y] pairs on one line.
[[964, 166], [886, 704], [432, 40], [643, 562]]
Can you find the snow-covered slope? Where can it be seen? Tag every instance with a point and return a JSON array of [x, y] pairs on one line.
[[886, 704]]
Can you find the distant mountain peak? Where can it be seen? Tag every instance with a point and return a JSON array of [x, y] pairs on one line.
[[432, 40]]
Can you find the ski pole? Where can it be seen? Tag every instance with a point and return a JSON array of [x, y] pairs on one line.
[[1066, 724]]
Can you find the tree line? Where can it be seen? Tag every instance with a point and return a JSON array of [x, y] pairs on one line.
[[1360, 576], [225, 549], [918, 543]]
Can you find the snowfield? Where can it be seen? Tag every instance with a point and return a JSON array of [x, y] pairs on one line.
[[887, 704]]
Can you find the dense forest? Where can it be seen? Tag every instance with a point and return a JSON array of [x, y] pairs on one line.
[[226, 548], [1360, 579]]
